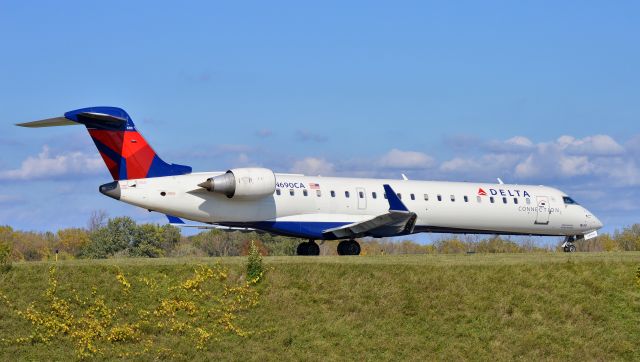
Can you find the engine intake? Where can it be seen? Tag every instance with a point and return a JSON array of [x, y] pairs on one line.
[[243, 183]]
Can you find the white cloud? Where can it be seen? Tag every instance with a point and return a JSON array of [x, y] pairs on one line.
[[47, 165], [593, 145], [519, 141], [545, 165], [486, 166], [313, 166], [513, 144], [597, 158], [398, 159]]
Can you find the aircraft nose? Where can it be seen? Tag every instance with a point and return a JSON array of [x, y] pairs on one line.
[[112, 189], [597, 223]]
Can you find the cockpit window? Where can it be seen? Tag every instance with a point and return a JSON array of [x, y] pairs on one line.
[[568, 201]]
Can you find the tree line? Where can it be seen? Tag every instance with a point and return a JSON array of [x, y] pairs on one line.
[[123, 237]]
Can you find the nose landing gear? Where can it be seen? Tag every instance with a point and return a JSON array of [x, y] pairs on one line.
[[568, 246]]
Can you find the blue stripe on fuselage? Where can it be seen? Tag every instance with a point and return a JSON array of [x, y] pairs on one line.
[[300, 229]]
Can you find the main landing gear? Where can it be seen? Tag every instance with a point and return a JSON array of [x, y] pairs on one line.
[[345, 247], [308, 248], [568, 246], [348, 247]]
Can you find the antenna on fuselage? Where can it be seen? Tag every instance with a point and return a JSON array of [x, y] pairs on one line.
[[500, 181], [404, 177]]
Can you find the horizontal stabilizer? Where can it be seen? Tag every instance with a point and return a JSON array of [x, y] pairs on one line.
[[49, 122], [100, 120]]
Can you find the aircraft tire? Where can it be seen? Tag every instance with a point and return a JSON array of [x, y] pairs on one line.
[[353, 248], [348, 247], [303, 248], [313, 248], [341, 247], [572, 248]]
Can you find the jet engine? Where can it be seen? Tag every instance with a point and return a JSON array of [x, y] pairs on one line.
[[243, 183]]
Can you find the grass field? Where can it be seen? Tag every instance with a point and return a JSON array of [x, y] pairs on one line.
[[584, 306]]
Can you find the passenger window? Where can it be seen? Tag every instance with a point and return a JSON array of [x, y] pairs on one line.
[[504, 200], [292, 192], [439, 197], [374, 195], [479, 199], [466, 199], [319, 193], [346, 194], [492, 199], [453, 198], [305, 193], [278, 192], [333, 193], [361, 194], [515, 200], [426, 197], [528, 201], [413, 197]]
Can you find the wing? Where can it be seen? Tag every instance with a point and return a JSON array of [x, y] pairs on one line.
[[399, 220], [391, 223]]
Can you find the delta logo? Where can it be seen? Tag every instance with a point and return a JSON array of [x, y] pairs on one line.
[[503, 192]]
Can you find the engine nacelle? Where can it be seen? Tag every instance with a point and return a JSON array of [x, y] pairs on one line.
[[243, 183]]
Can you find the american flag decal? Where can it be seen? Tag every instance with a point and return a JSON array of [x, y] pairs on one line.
[[314, 186]]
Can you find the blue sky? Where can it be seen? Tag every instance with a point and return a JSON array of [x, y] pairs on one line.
[[533, 92]]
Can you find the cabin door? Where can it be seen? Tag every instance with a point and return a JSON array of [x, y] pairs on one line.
[[361, 194], [542, 216]]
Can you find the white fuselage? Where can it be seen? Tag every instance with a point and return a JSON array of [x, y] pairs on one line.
[[303, 205]]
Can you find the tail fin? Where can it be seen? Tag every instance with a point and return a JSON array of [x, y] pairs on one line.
[[125, 152]]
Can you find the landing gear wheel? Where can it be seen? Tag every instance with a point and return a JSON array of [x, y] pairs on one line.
[[569, 246], [348, 247], [308, 248], [313, 248], [303, 248]]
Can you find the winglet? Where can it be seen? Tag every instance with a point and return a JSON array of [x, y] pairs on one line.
[[394, 201], [174, 219]]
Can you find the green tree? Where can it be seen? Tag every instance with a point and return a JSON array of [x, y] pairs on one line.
[[218, 243], [116, 236], [72, 240], [629, 238], [451, 246], [6, 247], [146, 241], [497, 245]]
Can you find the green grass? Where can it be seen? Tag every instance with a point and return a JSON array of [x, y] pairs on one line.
[[584, 306]]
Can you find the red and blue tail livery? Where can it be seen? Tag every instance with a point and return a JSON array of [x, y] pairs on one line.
[[123, 149]]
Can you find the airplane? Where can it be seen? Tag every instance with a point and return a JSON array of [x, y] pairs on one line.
[[319, 208]]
